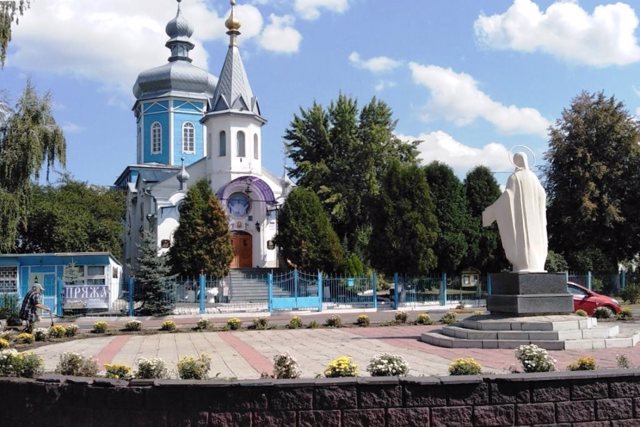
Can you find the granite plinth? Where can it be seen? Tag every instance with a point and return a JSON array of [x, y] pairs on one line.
[[529, 294]]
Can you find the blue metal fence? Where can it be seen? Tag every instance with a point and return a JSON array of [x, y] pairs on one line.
[[301, 291], [350, 292]]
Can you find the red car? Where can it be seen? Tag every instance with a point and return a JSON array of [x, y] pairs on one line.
[[584, 299]]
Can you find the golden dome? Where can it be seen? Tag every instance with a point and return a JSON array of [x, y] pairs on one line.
[[232, 23]]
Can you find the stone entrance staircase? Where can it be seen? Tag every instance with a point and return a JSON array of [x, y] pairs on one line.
[[250, 285], [554, 332]]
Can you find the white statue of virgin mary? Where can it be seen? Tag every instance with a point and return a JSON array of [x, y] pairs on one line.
[[521, 216]]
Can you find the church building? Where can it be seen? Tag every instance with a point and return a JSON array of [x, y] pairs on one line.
[[192, 125]]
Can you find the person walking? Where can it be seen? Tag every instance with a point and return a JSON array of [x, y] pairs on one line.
[[30, 304]]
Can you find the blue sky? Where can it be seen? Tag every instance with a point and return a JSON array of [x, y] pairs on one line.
[[471, 78]]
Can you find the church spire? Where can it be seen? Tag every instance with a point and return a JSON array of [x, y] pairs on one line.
[[233, 91], [233, 25], [179, 31]]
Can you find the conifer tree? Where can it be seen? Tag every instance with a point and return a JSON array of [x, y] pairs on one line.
[[305, 236], [153, 285], [405, 228], [202, 242], [456, 234]]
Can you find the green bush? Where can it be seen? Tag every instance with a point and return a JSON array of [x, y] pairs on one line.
[[535, 359], [313, 324], [387, 365], [57, 331], [583, 364], [625, 314], [168, 325], [401, 317], [261, 323], [285, 366], [234, 323], [342, 366], [363, 320], [203, 324], [448, 318], [133, 325], [465, 366], [622, 361], [424, 319], [77, 365], [194, 368], [40, 334], [117, 371], [14, 364], [631, 293], [100, 327], [602, 313], [24, 338], [334, 321], [151, 369], [581, 312], [295, 322], [71, 330]]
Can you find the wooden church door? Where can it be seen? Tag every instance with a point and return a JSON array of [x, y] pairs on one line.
[[242, 250]]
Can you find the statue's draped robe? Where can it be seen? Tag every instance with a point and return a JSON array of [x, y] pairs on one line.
[[521, 216]]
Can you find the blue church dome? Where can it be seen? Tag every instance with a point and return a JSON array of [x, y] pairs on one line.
[[178, 76]]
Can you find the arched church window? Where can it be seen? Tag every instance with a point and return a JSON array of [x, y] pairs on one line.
[[156, 138], [188, 138], [241, 146], [223, 144], [255, 147]]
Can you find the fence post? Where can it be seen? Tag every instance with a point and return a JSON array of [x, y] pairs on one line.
[[374, 284], [623, 279], [60, 304], [489, 283], [396, 288], [589, 280], [269, 290], [320, 290], [296, 278], [130, 290], [566, 276], [443, 289], [202, 279]]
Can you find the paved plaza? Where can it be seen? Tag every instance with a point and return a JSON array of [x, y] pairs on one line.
[[245, 354]]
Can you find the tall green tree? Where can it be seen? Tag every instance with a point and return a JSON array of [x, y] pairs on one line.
[[305, 236], [593, 182], [73, 217], [456, 234], [201, 243], [10, 12], [481, 190], [341, 153], [29, 140], [153, 284], [405, 227]]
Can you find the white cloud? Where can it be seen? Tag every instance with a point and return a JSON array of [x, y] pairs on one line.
[[111, 41], [566, 31], [377, 64], [280, 36], [444, 148], [384, 84], [310, 9], [71, 128], [456, 98]]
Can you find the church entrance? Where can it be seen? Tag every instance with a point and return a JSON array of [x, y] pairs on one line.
[[242, 250]]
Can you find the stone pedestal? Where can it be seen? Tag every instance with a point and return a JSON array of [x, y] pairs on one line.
[[529, 294]]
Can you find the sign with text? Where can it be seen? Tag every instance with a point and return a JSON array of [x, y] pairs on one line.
[[87, 296]]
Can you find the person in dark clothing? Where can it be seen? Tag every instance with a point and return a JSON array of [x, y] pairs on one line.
[[30, 305]]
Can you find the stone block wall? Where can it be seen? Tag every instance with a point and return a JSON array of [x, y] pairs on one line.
[[608, 398]]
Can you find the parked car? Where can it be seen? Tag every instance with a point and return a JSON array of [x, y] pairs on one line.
[[584, 299]]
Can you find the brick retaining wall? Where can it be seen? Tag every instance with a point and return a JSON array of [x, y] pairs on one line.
[[582, 399]]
